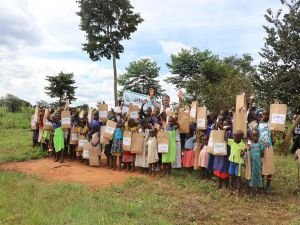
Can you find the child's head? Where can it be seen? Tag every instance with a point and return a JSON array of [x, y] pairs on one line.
[[226, 124], [96, 115], [155, 112], [131, 123], [238, 136], [119, 124], [57, 116], [255, 135], [148, 111], [152, 133], [171, 121], [265, 115], [220, 121], [231, 111], [144, 123], [163, 116]]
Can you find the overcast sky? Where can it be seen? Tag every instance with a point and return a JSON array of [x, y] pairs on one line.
[[40, 38]]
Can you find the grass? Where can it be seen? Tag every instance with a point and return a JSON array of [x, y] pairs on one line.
[[179, 199]]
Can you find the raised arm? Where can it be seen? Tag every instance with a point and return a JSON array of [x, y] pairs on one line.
[[154, 103], [180, 97]]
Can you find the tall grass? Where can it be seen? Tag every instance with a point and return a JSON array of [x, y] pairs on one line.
[[16, 138]]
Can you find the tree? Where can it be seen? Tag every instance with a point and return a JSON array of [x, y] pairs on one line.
[[210, 80], [279, 71], [60, 85], [13, 103], [140, 76], [107, 23]]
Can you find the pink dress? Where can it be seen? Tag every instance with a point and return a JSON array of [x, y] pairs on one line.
[[203, 157]]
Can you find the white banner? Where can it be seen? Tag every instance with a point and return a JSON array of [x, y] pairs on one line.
[[136, 99]]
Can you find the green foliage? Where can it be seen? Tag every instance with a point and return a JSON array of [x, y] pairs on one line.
[[85, 107], [16, 138], [13, 103], [279, 72], [210, 80], [107, 23], [20, 120], [61, 84], [140, 76]]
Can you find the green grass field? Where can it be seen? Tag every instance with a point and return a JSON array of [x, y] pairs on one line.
[[179, 199]]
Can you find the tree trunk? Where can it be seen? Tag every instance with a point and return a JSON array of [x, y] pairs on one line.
[[115, 80], [285, 145]]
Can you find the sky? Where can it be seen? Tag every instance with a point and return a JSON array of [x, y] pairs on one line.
[[40, 38]]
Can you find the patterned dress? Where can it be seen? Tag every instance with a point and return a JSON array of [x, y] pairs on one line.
[[152, 156], [141, 159], [117, 145], [221, 162], [256, 151]]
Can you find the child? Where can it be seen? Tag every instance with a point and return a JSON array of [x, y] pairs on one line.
[[256, 150], [141, 159], [236, 160], [154, 116], [211, 157], [221, 163], [168, 158], [265, 138], [148, 112], [58, 138], [117, 148], [74, 123], [129, 158], [203, 158], [94, 134], [152, 155], [188, 153]]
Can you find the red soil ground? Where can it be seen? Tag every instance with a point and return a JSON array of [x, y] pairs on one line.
[[70, 171]]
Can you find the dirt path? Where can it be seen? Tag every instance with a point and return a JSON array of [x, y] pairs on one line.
[[70, 171]]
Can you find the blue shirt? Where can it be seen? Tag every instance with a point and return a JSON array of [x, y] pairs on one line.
[[189, 143], [118, 134]]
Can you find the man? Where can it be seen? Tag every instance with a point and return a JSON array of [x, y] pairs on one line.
[[165, 107], [296, 139]]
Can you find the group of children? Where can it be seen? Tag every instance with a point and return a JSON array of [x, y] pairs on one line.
[[189, 151]]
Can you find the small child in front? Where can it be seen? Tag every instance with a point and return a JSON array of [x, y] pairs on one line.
[[188, 153], [237, 146], [256, 150], [152, 155], [117, 145]]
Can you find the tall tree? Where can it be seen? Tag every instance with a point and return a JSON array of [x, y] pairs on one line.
[[279, 71], [107, 23], [140, 76], [210, 80], [60, 85]]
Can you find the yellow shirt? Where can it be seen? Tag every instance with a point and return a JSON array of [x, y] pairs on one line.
[[235, 151]]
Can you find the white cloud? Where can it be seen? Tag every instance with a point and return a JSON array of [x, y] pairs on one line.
[[172, 47], [40, 38]]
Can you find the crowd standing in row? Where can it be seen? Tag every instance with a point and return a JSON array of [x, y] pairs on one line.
[[189, 150]]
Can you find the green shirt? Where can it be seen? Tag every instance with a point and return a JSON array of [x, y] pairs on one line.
[[235, 151]]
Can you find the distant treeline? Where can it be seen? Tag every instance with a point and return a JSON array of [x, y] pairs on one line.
[[12, 103]]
